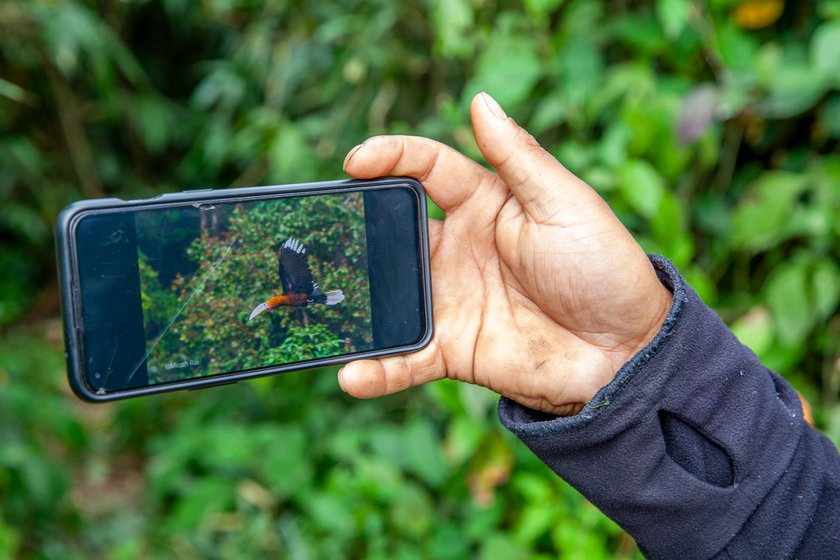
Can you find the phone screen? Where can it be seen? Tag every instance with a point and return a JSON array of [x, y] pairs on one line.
[[173, 293]]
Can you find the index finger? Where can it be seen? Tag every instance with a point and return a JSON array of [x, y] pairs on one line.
[[450, 178]]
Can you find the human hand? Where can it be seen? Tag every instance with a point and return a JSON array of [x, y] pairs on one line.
[[539, 291]]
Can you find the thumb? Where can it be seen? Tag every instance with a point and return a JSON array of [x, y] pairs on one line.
[[538, 181], [367, 379]]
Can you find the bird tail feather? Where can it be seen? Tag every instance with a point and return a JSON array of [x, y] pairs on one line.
[[334, 297]]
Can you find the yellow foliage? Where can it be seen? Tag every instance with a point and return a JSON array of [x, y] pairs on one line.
[[756, 14]]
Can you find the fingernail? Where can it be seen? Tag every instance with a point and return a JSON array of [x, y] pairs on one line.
[[341, 374], [352, 153], [494, 107]]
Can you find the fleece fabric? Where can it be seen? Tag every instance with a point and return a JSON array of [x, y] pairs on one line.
[[696, 449]]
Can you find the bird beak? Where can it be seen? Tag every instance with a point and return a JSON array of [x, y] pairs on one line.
[[261, 308]]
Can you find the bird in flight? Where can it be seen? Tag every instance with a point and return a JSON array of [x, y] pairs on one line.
[[299, 290]]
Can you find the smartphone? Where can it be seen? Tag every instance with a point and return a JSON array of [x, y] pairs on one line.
[[207, 287]]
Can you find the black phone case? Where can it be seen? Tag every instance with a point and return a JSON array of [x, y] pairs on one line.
[[71, 298]]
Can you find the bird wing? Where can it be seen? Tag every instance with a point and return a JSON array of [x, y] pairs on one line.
[[295, 275]]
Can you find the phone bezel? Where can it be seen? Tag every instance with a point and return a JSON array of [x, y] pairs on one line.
[[70, 290]]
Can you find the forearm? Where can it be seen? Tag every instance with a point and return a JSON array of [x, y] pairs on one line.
[[695, 448]]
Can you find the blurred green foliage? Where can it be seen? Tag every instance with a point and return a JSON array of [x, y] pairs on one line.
[[711, 126]]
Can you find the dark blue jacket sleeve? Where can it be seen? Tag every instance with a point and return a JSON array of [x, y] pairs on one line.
[[696, 449]]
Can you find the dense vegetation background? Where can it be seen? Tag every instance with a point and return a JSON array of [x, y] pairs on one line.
[[711, 126]]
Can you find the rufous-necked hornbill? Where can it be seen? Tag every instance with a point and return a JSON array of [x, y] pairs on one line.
[[299, 290]]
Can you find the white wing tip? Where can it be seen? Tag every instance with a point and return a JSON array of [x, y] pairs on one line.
[[294, 245]]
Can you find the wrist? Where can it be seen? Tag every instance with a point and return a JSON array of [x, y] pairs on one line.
[[660, 304]]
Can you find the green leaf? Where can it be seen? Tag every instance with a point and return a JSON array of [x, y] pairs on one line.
[[199, 502], [829, 9], [378, 478], [463, 439], [14, 92], [153, 120], [422, 453], [825, 51], [673, 16], [534, 488], [286, 461], [612, 149], [737, 47], [669, 221], [542, 8], [795, 89], [702, 284], [826, 287], [642, 186], [508, 69], [755, 330], [71, 29], [387, 443], [288, 150], [536, 520], [551, 110], [499, 546], [581, 66], [9, 539], [452, 20], [412, 512], [641, 32], [763, 218], [448, 543], [446, 394], [331, 512], [829, 116], [787, 297], [478, 401]]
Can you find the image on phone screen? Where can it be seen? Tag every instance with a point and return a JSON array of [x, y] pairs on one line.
[[236, 287]]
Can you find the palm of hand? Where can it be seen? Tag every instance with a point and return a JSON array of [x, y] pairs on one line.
[[523, 307], [539, 296]]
